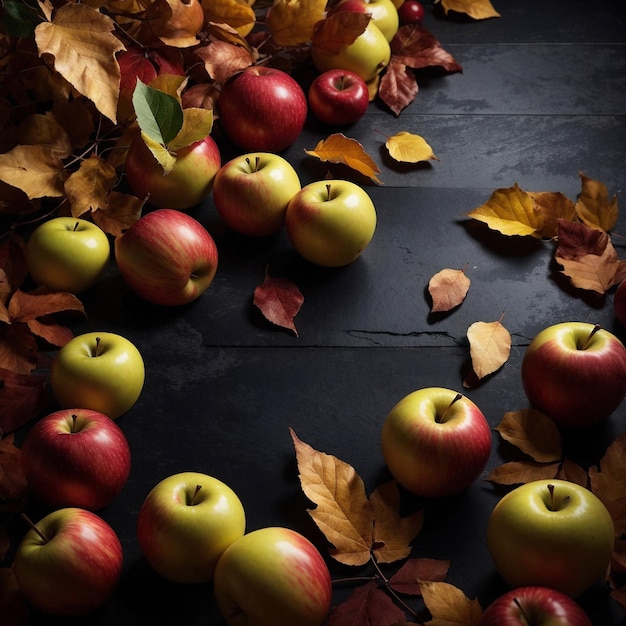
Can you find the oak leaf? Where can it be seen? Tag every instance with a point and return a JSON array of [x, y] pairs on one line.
[[449, 606], [398, 88], [520, 472], [80, 43], [553, 206], [338, 30], [594, 207], [343, 512], [291, 22], [279, 299], [476, 9], [406, 579], [22, 396], [338, 148], [416, 47], [490, 346], [510, 211], [448, 289], [409, 148]]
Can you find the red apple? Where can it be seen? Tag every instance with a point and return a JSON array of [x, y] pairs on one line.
[[262, 109], [167, 257], [619, 303], [69, 562], [76, 457], [338, 97], [575, 372], [540, 606], [410, 12]]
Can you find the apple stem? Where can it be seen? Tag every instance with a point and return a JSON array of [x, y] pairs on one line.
[[74, 418], [97, 351], [551, 490], [520, 606], [594, 330], [31, 525], [76, 226], [255, 167], [328, 192], [192, 502], [442, 418]]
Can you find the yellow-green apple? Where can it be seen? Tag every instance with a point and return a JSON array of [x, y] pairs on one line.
[[186, 522], [273, 576], [338, 97], [67, 254], [262, 109], [188, 183], [619, 303], [575, 372], [410, 12], [366, 56], [534, 606], [435, 442], [102, 371], [76, 457], [331, 222], [69, 562], [384, 13], [167, 257], [251, 192], [551, 533]]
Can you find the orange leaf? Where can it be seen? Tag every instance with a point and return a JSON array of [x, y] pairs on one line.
[[223, 59], [343, 512], [88, 188], [448, 289], [518, 472], [393, 533], [476, 9], [533, 433], [231, 12], [25, 306], [553, 206], [490, 346], [405, 580], [338, 30], [449, 606], [121, 212], [594, 207], [291, 23], [175, 22], [338, 148], [279, 300]]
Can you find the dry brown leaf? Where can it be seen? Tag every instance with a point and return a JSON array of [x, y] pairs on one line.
[[22, 396], [338, 30], [223, 59], [398, 88], [573, 472], [409, 148], [416, 47], [291, 23], [338, 148], [279, 299], [449, 606], [80, 43], [231, 12], [553, 206], [405, 580], [490, 346], [45, 130], [608, 479], [343, 512], [519, 472], [510, 211], [12, 482], [532, 432], [448, 289], [594, 207], [88, 188], [393, 533], [174, 22], [121, 212], [476, 9]]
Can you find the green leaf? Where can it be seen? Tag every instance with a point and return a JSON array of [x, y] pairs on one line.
[[160, 116]]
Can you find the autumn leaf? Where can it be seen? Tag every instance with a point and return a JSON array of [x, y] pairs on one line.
[[80, 42], [409, 148], [231, 12], [222, 59], [476, 9], [608, 478], [291, 22], [594, 207], [574, 473], [22, 396], [393, 533], [520, 472], [279, 300], [338, 148], [406, 579], [553, 206], [449, 606], [490, 346], [121, 212], [343, 512], [416, 47], [338, 30], [398, 88], [44, 130], [87, 189], [13, 606], [175, 23], [448, 289], [13, 485], [510, 211]]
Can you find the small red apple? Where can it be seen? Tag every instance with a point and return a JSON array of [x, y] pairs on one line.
[[338, 97], [410, 12]]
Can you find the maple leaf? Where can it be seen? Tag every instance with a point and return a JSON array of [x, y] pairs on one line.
[[406, 579], [490, 346], [409, 148], [87, 189], [81, 44], [416, 47], [553, 206], [476, 9], [339, 30], [338, 148], [594, 207], [279, 299], [448, 289], [343, 512], [398, 88], [449, 606], [291, 23]]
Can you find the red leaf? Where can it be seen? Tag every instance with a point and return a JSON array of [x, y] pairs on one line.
[[367, 606], [398, 86], [405, 580], [279, 300], [416, 47]]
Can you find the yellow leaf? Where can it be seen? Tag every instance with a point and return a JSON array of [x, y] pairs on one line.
[[490, 346], [510, 211], [197, 124], [291, 22], [338, 148], [165, 158], [476, 9], [343, 512], [594, 207], [81, 42], [448, 289], [393, 531], [231, 12], [449, 606], [553, 206], [409, 148], [88, 188]]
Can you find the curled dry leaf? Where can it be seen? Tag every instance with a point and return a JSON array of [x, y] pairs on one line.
[[594, 207], [280, 300], [476, 9], [448, 289], [409, 148], [490, 346], [449, 606]]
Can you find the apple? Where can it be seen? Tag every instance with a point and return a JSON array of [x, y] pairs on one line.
[[69, 562], [435, 442], [540, 606], [575, 372], [366, 56], [101, 371], [188, 183], [67, 254], [251, 192], [76, 457], [273, 576], [185, 524], [338, 97], [384, 13], [331, 222], [619, 303], [411, 12], [262, 109], [167, 257], [551, 533]]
